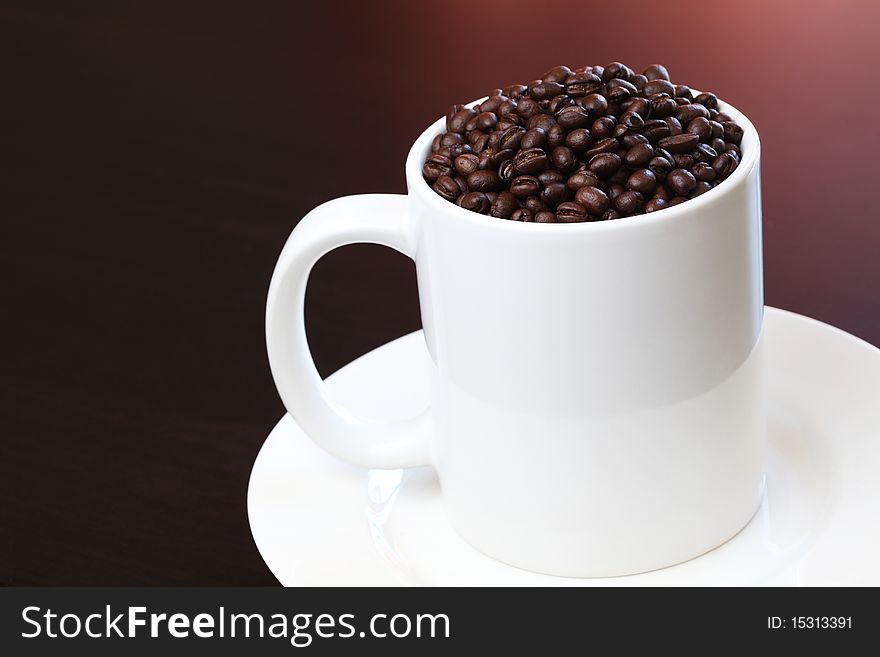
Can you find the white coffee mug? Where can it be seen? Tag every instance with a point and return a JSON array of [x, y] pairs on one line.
[[597, 404]]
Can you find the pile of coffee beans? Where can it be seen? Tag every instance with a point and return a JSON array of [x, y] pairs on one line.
[[584, 144]]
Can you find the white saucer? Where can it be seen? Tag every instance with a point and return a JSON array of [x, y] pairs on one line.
[[319, 522]]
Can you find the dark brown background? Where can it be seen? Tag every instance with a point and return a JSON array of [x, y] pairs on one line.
[[154, 160]]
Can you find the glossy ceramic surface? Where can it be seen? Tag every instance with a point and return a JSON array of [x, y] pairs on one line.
[[318, 521]]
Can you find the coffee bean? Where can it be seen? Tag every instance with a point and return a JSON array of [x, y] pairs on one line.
[[681, 143], [524, 186], [504, 205], [638, 156], [581, 179], [550, 176], [554, 194], [614, 190], [557, 74], [506, 171], [546, 90], [578, 139], [604, 164], [639, 81], [659, 166], [659, 86], [529, 161], [724, 165], [616, 70], [436, 166], [655, 130], [534, 138], [456, 121], [631, 120], [593, 199], [555, 136], [703, 171], [681, 181], [527, 107], [619, 90], [459, 149], [687, 113], [560, 102], [573, 117], [569, 213], [631, 139], [663, 105], [484, 181], [704, 153], [608, 145], [674, 125], [700, 126], [447, 188], [628, 202], [684, 91], [642, 181], [655, 204], [603, 127], [465, 165], [662, 193], [563, 159], [581, 84], [732, 132], [656, 72], [701, 188], [595, 104], [512, 137], [683, 160], [522, 214], [474, 201], [545, 217], [707, 100]]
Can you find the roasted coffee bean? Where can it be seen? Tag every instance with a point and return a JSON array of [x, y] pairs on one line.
[[545, 217], [465, 165], [703, 171], [681, 143], [631, 139], [554, 194], [684, 91], [546, 90], [551, 176], [701, 188], [504, 205], [681, 181], [522, 214], [639, 140], [683, 160], [659, 86], [534, 138], [581, 84], [556, 74], [578, 139], [642, 181], [534, 203], [569, 213], [604, 164], [638, 156], [700, 127], [484, 181], [474, 201], [512, 137], [530, 161], [581, 179], [524, 186], [593, 199], [619, 90], [660, 166], [656, 72], [724, 165], [595, 104], [573, 117], [563, 159], [687, 113], [616, 70], [704, 153], [603, 127], [436, 166], [707, 100], [655, 204], [608, 145], [629, 202], [555, 136], [732, 132], [506, 171], [447, 188]]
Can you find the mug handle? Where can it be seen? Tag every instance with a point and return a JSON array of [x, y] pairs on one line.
[[371, 218]]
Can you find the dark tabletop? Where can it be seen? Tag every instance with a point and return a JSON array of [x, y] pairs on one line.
[[153, 160]]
